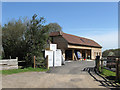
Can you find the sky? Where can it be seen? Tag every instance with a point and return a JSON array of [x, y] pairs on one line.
[[95, 20]]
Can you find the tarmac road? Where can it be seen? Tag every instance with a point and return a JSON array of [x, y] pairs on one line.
[[73, 67]]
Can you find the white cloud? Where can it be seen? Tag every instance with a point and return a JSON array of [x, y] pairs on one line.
[[108, 40]]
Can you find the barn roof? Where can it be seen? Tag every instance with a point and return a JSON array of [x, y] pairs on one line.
[[76, 40]]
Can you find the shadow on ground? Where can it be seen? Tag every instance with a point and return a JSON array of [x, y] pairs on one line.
[[104, 82]]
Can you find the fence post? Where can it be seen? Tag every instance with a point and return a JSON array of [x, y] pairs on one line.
[[101, 65], [17, 58], [97, 63], [17, 62], [47, 62], [10, 57], [34, 61], [117, 69]]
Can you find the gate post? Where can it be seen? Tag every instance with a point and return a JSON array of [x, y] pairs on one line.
[[101, 65], [118, 69], [97, 63], [47, 62]]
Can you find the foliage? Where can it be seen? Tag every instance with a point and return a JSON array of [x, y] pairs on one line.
[[25, 39], [29, 69], [36, 38], [0, 42], [54, 27], [13, 39], [115, 52]]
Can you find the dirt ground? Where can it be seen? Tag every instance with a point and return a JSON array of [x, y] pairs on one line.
[[48, 80]]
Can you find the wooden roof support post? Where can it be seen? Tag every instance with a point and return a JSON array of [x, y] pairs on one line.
[[92, 54], [73, 54], [63, 53], [85, 54]]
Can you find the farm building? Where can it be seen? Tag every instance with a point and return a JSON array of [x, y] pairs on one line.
[[72, 46]]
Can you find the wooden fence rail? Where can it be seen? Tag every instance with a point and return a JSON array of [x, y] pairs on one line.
[[9, 64], [116, 63]]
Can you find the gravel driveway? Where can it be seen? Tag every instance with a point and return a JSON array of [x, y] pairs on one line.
[[71, 75]]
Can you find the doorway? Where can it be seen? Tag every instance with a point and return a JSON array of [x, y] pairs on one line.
[[68, 55]]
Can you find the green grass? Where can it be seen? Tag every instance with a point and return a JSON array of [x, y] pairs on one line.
[[107, 72], [30, 69]]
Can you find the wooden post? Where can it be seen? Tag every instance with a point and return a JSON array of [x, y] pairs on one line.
[[85, 54], [73, 54], [17, 61], [97, 63], [34, 61], [101, 66], [47, 62], [117, 69], [17, 58]]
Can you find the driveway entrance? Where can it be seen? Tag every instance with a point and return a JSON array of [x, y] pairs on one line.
[[75, 74], [73, 67]]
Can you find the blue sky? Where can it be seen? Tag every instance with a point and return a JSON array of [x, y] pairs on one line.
[[98, 21]]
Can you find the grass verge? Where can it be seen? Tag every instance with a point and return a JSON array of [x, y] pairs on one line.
[[30, 69], [108, 72]]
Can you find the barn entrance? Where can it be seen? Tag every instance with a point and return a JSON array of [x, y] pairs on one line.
[[77, 54], [68, 55]]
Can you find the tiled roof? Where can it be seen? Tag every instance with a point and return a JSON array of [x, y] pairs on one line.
[[72, 39]]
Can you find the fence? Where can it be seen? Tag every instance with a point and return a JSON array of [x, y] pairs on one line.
[[9, 64], [110, 63]]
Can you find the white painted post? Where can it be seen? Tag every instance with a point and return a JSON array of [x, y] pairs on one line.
[[17, 58], [17, 61]]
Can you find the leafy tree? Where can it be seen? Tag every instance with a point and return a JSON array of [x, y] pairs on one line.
[[54, 27], [13, 39], [0, 42], [36, 38], [111, 51], [27, 38]]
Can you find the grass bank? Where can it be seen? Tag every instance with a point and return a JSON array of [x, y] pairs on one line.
[[108, 72], [30, 69]]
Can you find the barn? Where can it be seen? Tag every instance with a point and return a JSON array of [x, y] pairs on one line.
[[75, 47]]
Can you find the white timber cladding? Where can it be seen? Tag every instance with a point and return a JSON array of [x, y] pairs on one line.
[[58, 55], [54, 56], [50, 57], [53, 47]]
